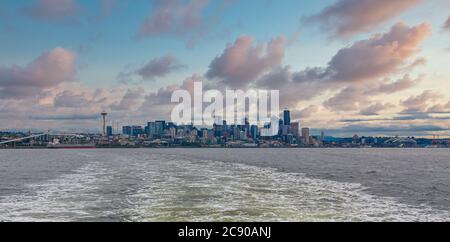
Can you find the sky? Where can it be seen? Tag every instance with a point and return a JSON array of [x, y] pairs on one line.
[[372, 67]]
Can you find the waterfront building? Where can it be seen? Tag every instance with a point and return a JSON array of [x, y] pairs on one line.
[[127, 130], [160, 126], [295, 129], [285, 130], [151, 129], [172, 132], [136, 130], [109, 131], [254, 132], [280, 127], [356, 139], [242, 135], [306, 136]]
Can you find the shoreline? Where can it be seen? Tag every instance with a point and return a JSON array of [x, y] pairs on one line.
[[218, 148]]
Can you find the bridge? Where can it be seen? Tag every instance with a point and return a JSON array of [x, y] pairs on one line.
[[23, 138], [37, 136]]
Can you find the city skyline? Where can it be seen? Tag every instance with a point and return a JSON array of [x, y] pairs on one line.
[[343, 66], [281, 132]]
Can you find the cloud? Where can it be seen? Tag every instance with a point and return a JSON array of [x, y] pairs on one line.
[[177, 18], [130, 100], [348, 99], [244, 61], [70, 99], [43, 114], [305, 113], [402, 84], [72, 107], [355, 96], [282, 78], [66, 117], [106, 8], [349, 17], [378, 56], [359, 71], [159, 67], [439, 108], [51, 10], [399, 117], [158, 105], [49, 70], [276, 78], [155, 68], [375, 109], [396, 129], [420, 102], [447, 24], [173, 16]]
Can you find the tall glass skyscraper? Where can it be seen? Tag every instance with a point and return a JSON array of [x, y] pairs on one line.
[[287, 117]]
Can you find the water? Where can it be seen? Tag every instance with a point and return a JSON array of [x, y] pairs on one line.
[[225, 185]]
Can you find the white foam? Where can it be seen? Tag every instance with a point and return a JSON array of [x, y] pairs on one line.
[[174, 188]]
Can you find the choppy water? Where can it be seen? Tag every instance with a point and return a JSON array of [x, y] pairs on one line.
[[224, 185]]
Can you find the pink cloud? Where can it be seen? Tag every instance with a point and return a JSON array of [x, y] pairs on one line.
[[361, 70], [403, 83], [49, 70], [243, 61], [348, 17], [173, 17], [190, 20], [356, 96], [420, 102], [349, 99], [378, 56]]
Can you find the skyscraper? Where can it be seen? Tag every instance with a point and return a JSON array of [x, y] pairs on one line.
[[136, 130], [287, 117], [305, 136], [295, 129], [127, 130], [151, 129], [280, 126], [254, 132], [160, 127], [109, 131]]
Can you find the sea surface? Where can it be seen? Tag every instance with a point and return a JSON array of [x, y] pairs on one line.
[[225, 185]]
